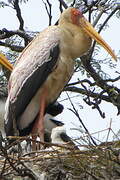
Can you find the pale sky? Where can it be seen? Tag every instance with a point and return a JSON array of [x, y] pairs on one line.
[[35, 18]]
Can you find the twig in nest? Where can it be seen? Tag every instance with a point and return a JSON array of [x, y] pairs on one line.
[[109, 129]]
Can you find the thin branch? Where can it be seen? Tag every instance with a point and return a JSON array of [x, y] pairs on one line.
[[112, 92], [60, 7], [4, 33], [89, 15], [77, 115], [107, 19], [18, 13], [95, 104], [63, 3], [49, 11], [109, 129], [98, 17], [12, 47], [113, 80], [91, 94], [73, 3], [94, 3], [94, 83], [99, 81], [81, 81], [102, 26]]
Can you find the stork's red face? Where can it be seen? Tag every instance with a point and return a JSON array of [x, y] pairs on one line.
[[76, 15], [78, 19]]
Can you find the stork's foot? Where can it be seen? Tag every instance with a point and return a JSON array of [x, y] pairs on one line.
[[39, 136], [34, 142]]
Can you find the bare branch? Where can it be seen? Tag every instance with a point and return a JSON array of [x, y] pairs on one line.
[[113, 80], [4, 33], [95, 103], [107, 19], [73, 3], [63, 4], [94, 83], [77, 115], [102, 26], [91, 94], [60, 7], [81, 81], [19, 16], [98, 17], [94, 3], [113, 92], [12, 47], [49, 11]]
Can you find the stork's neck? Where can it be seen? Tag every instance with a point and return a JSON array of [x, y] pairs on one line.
[[78, 41], [70, 27]]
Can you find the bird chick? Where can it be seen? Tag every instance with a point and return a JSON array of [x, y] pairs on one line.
[[59, 136]]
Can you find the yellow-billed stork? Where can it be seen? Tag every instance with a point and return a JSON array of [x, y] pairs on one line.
[[43, 69]]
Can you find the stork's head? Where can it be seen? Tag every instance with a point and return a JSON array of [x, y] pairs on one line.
[[75, 16]]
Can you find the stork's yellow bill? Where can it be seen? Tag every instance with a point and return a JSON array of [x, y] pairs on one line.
[[89, 30]]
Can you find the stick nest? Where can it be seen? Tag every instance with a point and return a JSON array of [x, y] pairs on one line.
[[59, 162]]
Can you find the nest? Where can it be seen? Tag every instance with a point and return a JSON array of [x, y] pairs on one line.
[[59, 162]]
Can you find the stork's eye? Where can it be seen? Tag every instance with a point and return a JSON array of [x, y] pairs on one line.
[[76, 13]]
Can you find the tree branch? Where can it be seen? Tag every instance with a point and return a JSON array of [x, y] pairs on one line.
[[102, 26], [4, 33], [77, 115], [113, 92], [98, 17], [49, 11], [107, 19], [12, 47], [91, 94], [62, 2], [18, 13], [81, 81]]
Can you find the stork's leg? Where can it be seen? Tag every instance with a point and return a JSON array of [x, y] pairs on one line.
[[38, 128]]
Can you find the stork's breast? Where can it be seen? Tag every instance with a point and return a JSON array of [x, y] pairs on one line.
[[58, 78]]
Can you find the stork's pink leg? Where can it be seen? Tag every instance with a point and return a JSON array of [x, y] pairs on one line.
[[38, 128]]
